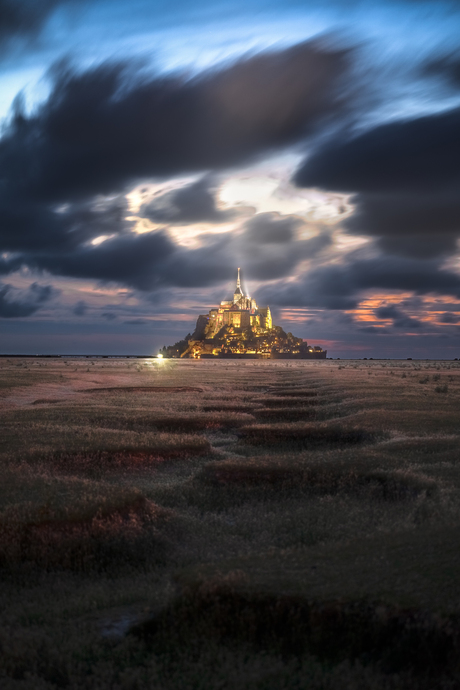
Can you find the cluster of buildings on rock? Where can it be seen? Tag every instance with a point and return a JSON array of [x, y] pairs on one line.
[[239, 312], [239, 328]]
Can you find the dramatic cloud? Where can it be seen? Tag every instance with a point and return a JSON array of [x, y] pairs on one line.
[[269, 247], [9, 264], [26, 302], [271, 228], [419, 155], [80, 308], [446, 67], [406, 178], [274, 261], [342, 286], [417, 225], [42, 293], [398, 316], [63, 169], [24, 17], [266, 246], [26, 226], [104, 128], [449, 317], [129, 259], [194, 203], [11, 309]]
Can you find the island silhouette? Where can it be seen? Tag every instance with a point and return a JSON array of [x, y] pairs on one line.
[[239, 328]]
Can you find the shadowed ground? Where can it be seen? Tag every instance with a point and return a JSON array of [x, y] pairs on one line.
[[199, 524]]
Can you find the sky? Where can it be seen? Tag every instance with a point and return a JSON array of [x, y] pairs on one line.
[[149, 148]]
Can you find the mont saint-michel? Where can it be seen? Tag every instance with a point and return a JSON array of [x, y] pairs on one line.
[[240, 328]]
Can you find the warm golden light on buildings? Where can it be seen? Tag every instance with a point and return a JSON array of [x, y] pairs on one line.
[[238, 327]]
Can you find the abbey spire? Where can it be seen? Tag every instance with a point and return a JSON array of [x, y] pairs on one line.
[[238, 294]]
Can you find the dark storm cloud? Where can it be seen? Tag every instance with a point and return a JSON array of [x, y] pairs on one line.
[[406, 177], [150, 261], [216, 259], [24, 22], [272, 260], [446, 66], [105, 128], [80, 308], [108, 126], [144, 262], [15, 303], [398, 316], [271, 228], [373, 330], [24, 17], [269, 246], [417, 225], [10, 264], [449, 317], [130, 259], [37, 227], [341, 286], [194, 203], [410, 156], [88, 138], [11, 309], [273, 265]]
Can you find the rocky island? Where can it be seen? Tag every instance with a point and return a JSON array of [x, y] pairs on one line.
[[238, 328]]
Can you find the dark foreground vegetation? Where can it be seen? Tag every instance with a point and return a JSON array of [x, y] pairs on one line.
[[268, 525]]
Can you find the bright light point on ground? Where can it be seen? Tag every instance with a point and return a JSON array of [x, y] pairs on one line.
[[159, 356]]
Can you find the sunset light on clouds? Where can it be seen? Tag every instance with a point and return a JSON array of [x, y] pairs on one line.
[[148, 149]]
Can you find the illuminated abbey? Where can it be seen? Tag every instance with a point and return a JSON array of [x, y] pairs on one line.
[[239, 312], [239, 328]]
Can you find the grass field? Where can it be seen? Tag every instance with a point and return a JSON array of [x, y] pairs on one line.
[[269, 525]]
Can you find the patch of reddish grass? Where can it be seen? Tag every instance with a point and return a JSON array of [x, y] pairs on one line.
[[285, 401], [192, 423], [304, 435], [105, 460], [46, 401], [130, 534], [294, 392], [397, 638], [318, 478], [286, 414], [145, 389], [229, 407]]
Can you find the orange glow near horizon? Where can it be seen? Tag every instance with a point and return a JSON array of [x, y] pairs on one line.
[[365, 311]]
